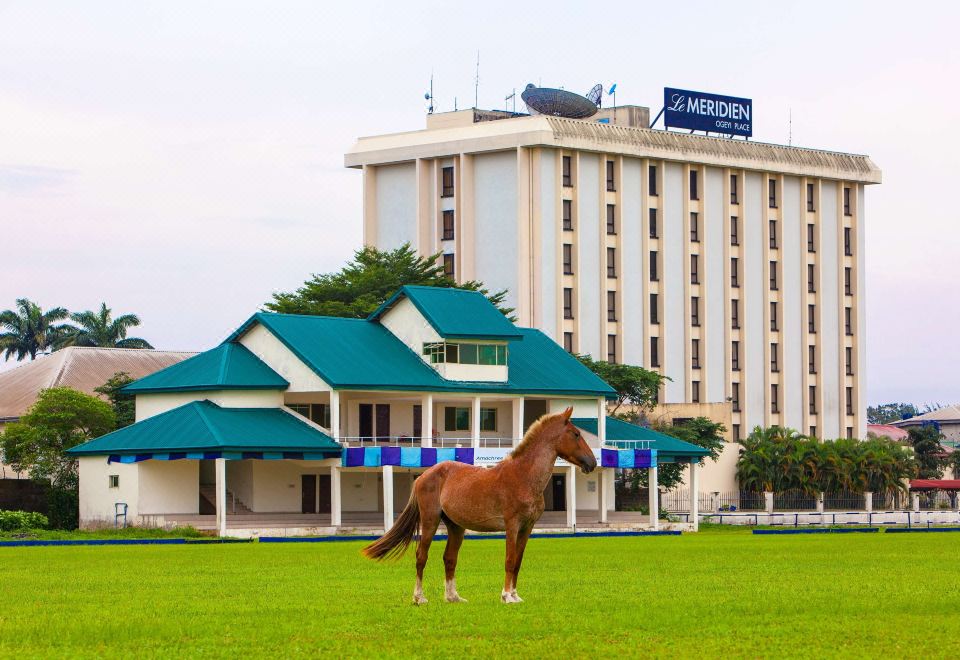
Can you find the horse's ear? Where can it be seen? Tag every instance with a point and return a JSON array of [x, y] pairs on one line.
[[567, 413]]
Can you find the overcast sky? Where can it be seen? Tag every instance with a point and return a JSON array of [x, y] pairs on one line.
[[184, 160]]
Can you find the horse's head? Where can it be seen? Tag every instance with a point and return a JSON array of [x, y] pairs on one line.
[[571, 446]]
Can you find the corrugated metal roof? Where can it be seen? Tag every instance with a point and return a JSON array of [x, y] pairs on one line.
[[226, 367], [949, 414], [204, 426], [80, 367], [666, 446], [887, 430], [455, 313]]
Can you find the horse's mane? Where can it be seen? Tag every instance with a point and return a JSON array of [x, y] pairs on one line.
[[532, 433]]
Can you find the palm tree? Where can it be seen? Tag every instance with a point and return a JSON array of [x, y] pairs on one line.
[[29, 330], [101, 329]]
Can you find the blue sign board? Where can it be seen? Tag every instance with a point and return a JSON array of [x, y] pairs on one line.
[[700, 111]]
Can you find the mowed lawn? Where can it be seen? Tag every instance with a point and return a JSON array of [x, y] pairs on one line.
[[712, 594]]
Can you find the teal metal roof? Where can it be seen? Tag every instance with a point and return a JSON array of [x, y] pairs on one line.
[[360, 355], [203, 426], [226, 367], [618, 430], [455, 313]]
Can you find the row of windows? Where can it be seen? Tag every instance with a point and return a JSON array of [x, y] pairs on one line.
[[458, 419], [453, 353], [567, 175], [775, 401]]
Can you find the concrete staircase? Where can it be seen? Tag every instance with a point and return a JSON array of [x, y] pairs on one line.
[[234, 504]]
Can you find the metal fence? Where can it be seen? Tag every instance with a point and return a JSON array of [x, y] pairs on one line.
[[794, 500], [844, 501]]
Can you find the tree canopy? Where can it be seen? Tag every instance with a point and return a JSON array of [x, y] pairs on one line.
[[635, 385], [28, 330], [124, 405], [366, 282], [885, 413], [99, 328], [931, 459]]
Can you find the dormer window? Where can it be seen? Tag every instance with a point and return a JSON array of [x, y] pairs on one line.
[[463, 353]]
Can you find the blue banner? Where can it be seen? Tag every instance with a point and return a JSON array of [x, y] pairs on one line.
[[700, 111]]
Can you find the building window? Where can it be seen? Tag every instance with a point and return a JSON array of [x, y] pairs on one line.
[[488, 419], [611, 262], [812, 318], [850, 432], [447, 225], [568, 215], [567, 175], [848, 320], [652, 180], [772, 189], [811, 278], [774, 321], [813, 400], [847, 242], [810, 207], [611, 182], [735, 396], [847, 281], [735, 356], [773, 234], [611, 219], [695, 227], [456, 419], [774, 398], [448, 265], [612, 349], [735, 313], [734, 230], [736, 433], [813, 431], [849, 393], [654, 309], [694, 189], [114, 481], [456, 353], [611, 305], [694, 269], [568, 342], [774, 357], [846, 201], [773, 275], [447, 183], [695, 311], [849, 360], [734, 272], [694, 353], [654, 271], [567, 259], [811, 245], [695, 391], [811, 359], [733, 189], [567, 303], [654, 351], [653, 223]]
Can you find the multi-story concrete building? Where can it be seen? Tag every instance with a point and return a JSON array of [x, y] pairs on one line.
[[733, 267]]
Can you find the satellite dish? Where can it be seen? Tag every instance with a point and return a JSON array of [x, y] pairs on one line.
[[595, 94], [558, 102]]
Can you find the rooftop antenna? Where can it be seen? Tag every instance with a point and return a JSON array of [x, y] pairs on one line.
[[476, 83], [511, 96], [613, 92], [429, 96]]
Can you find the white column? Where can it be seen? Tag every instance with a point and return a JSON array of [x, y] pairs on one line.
[[820, 503], [602, 494], [426, 421], [602, 420], [915, 501], [695, 494], [517, 420], [220, 470], [768, 501], [335, 504], [475, 422], [335, 414], [868, 501], [572, 497], [387, 497], [653, 503]]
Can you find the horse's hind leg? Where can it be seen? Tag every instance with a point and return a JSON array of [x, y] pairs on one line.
[[429, 521], [522, 538], [454, 540]]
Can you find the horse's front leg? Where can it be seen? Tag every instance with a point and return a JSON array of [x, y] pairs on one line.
[[508, 595], [522, 537]]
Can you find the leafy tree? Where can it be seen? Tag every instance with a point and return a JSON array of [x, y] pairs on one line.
[[124, 408], [635, 386], [925, 440], [99, 328], [365, 283], [29, 330], [886, 413]]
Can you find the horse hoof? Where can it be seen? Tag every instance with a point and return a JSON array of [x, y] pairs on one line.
[[419, 600], [456, 599], [508, 598]]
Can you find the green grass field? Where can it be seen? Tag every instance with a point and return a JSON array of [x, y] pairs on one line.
[[712, 594]]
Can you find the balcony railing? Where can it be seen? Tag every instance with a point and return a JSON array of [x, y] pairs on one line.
[[438, 441]]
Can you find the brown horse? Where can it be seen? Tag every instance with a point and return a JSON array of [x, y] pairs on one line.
[[507, 497]]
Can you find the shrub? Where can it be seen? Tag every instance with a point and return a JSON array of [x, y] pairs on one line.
[[16, 521]]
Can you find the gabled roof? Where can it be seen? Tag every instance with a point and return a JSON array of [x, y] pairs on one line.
[[666, 446], [80, 367], [360, 355], [203, 426], [948, 414], [226, 367], [454, 313]]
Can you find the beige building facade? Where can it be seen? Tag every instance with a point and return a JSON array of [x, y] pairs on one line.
[[733, 267]]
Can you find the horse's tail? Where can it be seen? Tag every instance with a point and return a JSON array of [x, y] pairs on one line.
[[394, 543]]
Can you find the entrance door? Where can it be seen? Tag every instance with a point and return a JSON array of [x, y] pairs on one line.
[[308, 484], [324, 499], [366, 420], [383, 421], [555, 497], [533, 409]]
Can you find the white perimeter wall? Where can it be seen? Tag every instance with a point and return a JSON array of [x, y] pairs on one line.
[[396, 195], [495, 220]]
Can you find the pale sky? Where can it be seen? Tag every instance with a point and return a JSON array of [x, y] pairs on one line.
[[184, 160]]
